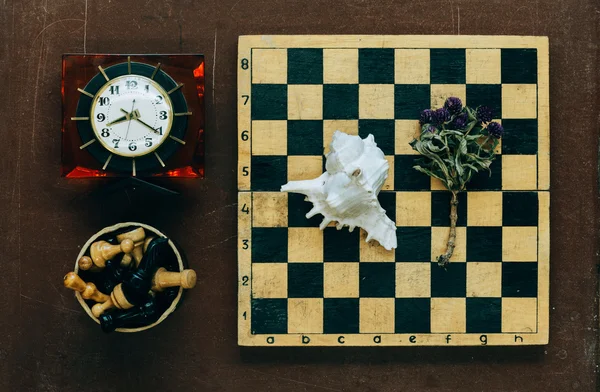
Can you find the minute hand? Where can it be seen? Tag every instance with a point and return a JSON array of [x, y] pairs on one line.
[[146, 125]]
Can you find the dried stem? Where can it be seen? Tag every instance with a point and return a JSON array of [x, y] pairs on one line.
[[444, 259]]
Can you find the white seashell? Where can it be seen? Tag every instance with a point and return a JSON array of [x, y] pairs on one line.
[[347, 192]]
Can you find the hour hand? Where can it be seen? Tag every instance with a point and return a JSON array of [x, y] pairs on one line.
[[119, 120]]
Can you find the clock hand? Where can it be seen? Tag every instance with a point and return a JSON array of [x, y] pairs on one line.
[[118, 120], [146, 125], [129, 125]]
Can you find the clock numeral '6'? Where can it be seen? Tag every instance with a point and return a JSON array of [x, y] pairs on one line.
[[132, 146]]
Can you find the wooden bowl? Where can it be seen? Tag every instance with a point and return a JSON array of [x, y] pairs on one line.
[[149, 231]]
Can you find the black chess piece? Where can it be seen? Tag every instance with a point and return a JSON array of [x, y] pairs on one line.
[[137, 316], [136, 286], [113, 274]]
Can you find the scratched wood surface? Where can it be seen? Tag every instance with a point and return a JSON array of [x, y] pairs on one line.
[[47, 342]]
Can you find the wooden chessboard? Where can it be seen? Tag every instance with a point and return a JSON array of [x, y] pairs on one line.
[[299, 286]]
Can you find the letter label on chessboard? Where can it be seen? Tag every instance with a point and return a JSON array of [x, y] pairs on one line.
[[448, 338], [483, 340], [412, 339], [517, 337], [341, 340], [305, 339], [377, 339], [270, 340]]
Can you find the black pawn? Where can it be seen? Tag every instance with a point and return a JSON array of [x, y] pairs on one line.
[[113, 274], [138, 316], [136, 286]]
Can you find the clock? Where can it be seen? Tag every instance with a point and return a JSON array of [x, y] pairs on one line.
[[132, 118]]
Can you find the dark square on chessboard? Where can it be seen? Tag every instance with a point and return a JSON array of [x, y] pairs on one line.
[[387, 200], [450, 281], [376, 66], [520, 136], [519, 209], [448, 66], [484, 244], [412, 315], [440, 208], [340, 101], [269, 316], [519, 66], [269, 173], [377, 280], [269, 102], [414, 244], [341, 315], [304, 137], [269, 244], [384, 132], [519, 279], [410, 100], [305, 280], [305, 66], [484, 315], [408, 179], [484, 181], [489, 95], [298, 207], [341, 245]]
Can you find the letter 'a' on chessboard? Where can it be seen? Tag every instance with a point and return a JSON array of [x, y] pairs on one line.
[[300, 286]]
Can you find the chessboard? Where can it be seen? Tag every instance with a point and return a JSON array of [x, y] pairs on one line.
[[300, 286]]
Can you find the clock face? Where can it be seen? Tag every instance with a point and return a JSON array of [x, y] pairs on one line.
[[131, 115]]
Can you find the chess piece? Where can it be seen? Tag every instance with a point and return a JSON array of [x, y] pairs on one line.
[[100, 308], [137, 236], [86, 264], [87, 290], [101, 251], [134, 290], [141, 315], [147, 242], [163, 279], [112, 275]]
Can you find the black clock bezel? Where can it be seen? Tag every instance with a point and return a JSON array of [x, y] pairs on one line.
[[144, 163]]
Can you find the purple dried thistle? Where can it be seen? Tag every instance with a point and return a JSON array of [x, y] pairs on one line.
[[460, 121], [495, 130], [484, 114], [426, 117], [441, 116], [453, 105], [429, 128]]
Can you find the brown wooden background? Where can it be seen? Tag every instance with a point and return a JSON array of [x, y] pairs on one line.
[[47, 343]]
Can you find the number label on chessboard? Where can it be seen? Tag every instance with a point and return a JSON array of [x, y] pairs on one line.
[[300, 286]]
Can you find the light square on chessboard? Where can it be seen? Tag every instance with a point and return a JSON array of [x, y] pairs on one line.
[[448, 315], [406, 131], [376, 101], [305, 102], [484, 279], [519, 172], [340, 280], [269, 137], [269, 66], [376, 315], [305, 244], [519, 243], [412, 66], [269, 280], [484, 208], [270, 209], [413, 280], [519, 101], [519, 315], [330, 126], [413, 208], [340, 66], [373, 251], [437, 185], [483, 66], [304, 167], [440, 92], [305, 315], [439, 241], [388, 185]]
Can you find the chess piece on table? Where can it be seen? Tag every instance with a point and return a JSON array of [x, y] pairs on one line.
[[140, 315], [137, 236], [100, 308], [113, 274], [101, 251], [86, 264], [87, 290], [163, 279]]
